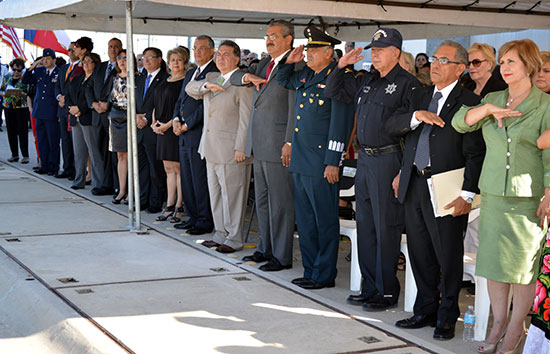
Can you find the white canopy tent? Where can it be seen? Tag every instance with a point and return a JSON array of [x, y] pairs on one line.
[[347, 19]]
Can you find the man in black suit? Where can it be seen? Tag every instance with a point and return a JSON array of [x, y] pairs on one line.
[[432, 146], [97, 95], [187, 124], [61, 90], [152, 178]]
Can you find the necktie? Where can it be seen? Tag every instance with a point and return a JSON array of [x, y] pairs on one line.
[[108, 71], [268, 71], [221, 80], [197, 73], [68, 71], [422, 156], [147, 80]]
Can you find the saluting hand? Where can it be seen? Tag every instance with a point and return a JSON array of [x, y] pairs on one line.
[[332, 174], [255, 80], [430, 118], [350, 58], [500, 113], [214, 87], [296, 56]]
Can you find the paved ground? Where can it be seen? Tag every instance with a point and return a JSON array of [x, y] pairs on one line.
[[74, 280]]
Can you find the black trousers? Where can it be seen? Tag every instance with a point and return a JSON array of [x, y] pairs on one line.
[[66, 146], [436, 251], [110, 161], [152, 178], [17, 123]]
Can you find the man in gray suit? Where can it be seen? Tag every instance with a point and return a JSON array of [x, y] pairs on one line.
[[223, 142], [269, 139]]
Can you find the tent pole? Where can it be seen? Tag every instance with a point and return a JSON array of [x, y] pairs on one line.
[[133, 176]]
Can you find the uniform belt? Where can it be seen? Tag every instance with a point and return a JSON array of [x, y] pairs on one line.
[[382, 150], [427, 172]]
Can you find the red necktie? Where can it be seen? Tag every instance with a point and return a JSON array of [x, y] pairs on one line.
[[268, 71]]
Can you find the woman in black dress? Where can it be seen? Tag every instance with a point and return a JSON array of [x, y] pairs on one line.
[[167, 142]]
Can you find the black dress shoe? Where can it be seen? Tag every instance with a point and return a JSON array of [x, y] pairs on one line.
[[274, 266], [377, 303], [257, 257], [357, 299], [100, 191], [198, 231], [185, 225], [76, 187], [314, 285], [62, 175], [417, 321], [88, 182], [51, 173], [41, 172], [299, 281], [444, 332], [70, 178]]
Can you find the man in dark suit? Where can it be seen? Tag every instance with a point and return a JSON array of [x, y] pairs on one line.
[[152, 178], [97, 94], [269, 140], [187, 124], [321, 131], [61, 90], [432, 146], [45, 110]]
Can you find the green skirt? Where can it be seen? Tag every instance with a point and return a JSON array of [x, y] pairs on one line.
[[510, 239]]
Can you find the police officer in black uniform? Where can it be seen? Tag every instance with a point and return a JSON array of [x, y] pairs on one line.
[[380, 217], [321, 131]]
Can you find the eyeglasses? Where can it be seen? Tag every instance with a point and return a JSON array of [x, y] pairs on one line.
[[270, 36], [443, 60], [121, 58], [17, 70], [476, 62], [150, 57], [200, 49], [140, 59]]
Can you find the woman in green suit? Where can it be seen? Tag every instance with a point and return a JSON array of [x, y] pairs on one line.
[[515, 187]]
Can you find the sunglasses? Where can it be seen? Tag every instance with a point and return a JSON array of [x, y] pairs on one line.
[[476, 62]]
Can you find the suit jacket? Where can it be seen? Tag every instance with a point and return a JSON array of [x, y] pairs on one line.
[[98, 90], [45, 103], [226, 119], [492, 85], [191, 111], [77, 97], [61, 89], [146, 105], [449, 149], [272, 117]]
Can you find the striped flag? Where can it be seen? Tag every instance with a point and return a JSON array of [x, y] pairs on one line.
[[57, 40], [10, 38]]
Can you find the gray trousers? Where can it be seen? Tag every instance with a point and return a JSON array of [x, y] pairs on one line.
[[275, 208], [228, 186], [85, 144]]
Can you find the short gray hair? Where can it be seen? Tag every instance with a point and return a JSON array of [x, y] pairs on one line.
[[461, 52], [208, 39], [287, 27]]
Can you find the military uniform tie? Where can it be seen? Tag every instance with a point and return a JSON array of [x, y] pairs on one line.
[[422, 156]]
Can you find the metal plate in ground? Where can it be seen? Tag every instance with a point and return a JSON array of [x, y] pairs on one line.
[[49, 218], [11, 190], [113, 257], [221, 314]]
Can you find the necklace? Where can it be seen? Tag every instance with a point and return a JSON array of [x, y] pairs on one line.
[[176, 78], [512, 99]]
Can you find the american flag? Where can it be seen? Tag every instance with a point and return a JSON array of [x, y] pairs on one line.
[[10, 38]]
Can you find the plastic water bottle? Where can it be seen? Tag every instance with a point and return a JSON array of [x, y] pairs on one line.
[[469, 324]]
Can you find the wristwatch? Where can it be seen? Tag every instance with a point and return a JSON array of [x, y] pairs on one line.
[[468, 200]]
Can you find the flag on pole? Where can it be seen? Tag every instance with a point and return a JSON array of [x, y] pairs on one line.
[[9, 36], [57, 40]]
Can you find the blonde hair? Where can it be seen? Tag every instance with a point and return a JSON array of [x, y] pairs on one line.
[[528, 53], [545, 56], [178, 51], [408, 57], [487, 52]]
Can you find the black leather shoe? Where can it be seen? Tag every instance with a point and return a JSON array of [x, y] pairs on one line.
[[274, 266], [62, 175], [76, 187], [70, 178], [100, 191], [417, 321], [357, 299], [41, 172], [313, 285], [184, 226], [444, 331], [377, 303], [51, 173], [299, 281], [198, 231], [257, 257]]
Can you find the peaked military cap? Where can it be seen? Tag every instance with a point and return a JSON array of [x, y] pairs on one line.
[[386, 37], [317, 38], [48, 52]]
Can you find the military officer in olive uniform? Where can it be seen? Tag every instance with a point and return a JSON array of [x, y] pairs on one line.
[[45, 110], [380, 217], [321, 132]]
